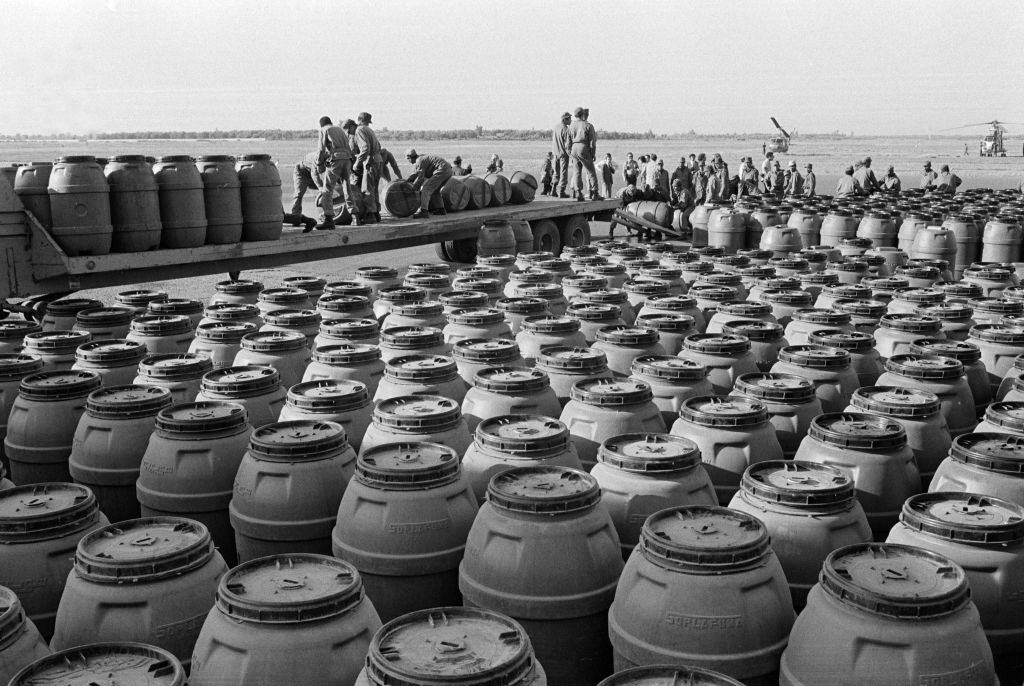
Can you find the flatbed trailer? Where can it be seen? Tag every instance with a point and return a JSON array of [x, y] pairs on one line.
[[35, 267]]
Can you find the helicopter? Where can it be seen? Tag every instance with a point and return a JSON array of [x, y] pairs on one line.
[[992, 144], [778, 143]]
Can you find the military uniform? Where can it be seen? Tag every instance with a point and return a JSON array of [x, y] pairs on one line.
[[795, 186], [560, 146], [368, 164], [334, 163], [430, 173], [584, 148], [810, 184], [306, 177], [928, 178]]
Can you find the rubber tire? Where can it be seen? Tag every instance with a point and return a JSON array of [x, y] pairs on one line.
[[546, 236], [462, 250], [442, 251], [575, 231]]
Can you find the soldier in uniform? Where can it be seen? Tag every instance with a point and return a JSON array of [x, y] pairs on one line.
[[546, 168], [560, 147], [928, 176], [795, 184], [890, 182], [810, 181], [865, 177], [429, 174], [334, 164], [583, 151], [368, 164], [749, 179]]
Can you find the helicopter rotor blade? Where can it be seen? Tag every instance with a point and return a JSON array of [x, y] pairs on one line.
[[969, 126], [774, 121]]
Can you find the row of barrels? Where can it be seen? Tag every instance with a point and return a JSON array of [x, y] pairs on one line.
[[469, 192], [131, 203]]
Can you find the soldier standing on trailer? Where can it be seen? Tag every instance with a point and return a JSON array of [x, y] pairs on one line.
[[560, 145], [334, 163], [584, 148], [368, 164]]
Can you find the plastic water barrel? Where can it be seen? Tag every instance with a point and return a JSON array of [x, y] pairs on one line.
[[474, 354], [13, 368], [524, 187], [412, 340], [703, 588], [80, 206], [12, 335], [426, 313], [602, 408], [60, 314], [116, 361], [222, 199], [182, 208], [567, 365], [134, 204], [545, 552], [498, 391], [262, 215], [943, 376], [403, 523], [401, 199], [55, 348], [242, 291], [104, 323], [123, 663], [986, 463], [22, 644], [496, 238], [286, 619], [288, 487], [1001, 240], [726, 356], [501, 189], [219, 341], [285, 351], [829, 369], [346, 403], [347, 362], [790, 401], [912, 605], [417, 418], [30, 185], [189, 466], [179, 373], [162, 333], [40, 526], [135, 578]]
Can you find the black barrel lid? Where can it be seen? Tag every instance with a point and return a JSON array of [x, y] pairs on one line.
[[485, 350], [293, 318], [161, 324], [999, 305], [611, 392], [545, 291], [176, 306], [479, 285], [175, 366], [819, 278], [893, 401], [848, 290], [694, 266], [872, 309], [283, 295], [712, 293], [998, 333], [510, 380], [668, 675], [496, 260], [97, 664], [947, 312], [479, 272], [649, 453], [717, 344], [607, 269], [427, 281], [127, 402], [550, 324], [140, 297], [855, 341], [305, 282], [230, 312], [59, 385], [616, 296], [1008, 414], [297, 440], [481, 316], [426, 308], [142, 550], [111, 352], [241, 381], [525, 436], [920, 296], [753, 330], [202, 418], [960, 289], [965, 518], [525, 306], [594, 312], [792, 263], [847, 265], [744, 308], [798, 484], [585, 282], [775, 388], [19, 365], [646, 287], [887, 283], [669, 274], [532, 276], [669, 368], [273, 341], [916, 323], [376, 273], [45, 510], [417, 413], [821, 316], [345, 353], [993, 452], [704, 539], [350, 328], [815, 356], [105, 316], [289, 589], [786, 297], [328, 396], [858, 431], [665, 322], [224, 331], [627, 336], [672, 303], [421, 368], [16, 330], [895, 580], [572, 360], [348, 288], [926, 367], [69, 307], [411, 337], [450, 645], [239, 287], [408, 466], [544, 490], [731, 412], [401, 294], [344, 303]]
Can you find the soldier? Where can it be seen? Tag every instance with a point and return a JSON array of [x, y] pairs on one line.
[[545, 174], [682, 173], [305, 177], [584, 148], [700, 182], [865, 177], [630, 170], [847, 185], [947, 182], [367, 166], [662, 187], [778, 180], [458, 169], [749, 179], [560, 147], [810, 181], [928, 176], [766, 169], [890, 182], [334, 163], [429, 174], [713, 185], [388, 160], [795, 184], [607, 175]]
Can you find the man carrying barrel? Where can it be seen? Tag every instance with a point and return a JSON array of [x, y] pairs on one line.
[[560, 144], [890, 182], [334, 163], [583, 152], [367, 166], [429, 175], [810, 181]]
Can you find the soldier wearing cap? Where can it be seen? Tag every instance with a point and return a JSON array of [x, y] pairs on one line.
[[388, 160], [545, 173], [560, 144], [865, 177], [583, 153], [928, 176], [947, 182], [890, 182], [630, 170], [749, 179], [367, 167], [305, 177], [810, 181], [334, 164], [458, 169], [795, 182], [766, 169], [429, 174], [847, 185], [682, 173]]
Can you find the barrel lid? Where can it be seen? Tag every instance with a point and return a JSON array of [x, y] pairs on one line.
[[960, 289], [744, 308], [965, 353], [465, 299], [283, 295], [427, 281], [666, 322], [918, 271], [786, 297], [646, 287], [1008, 414], [717, 344], [649, 453], [999, 305], [887, 283], [231, 311], [56, 341], [819, 278], [225, 331], [140, 297], [594, 312], [550, 324], [611, 392], [731, 412], [127, 402], [815, 356], [627, 335], [821, 316], [480, 316], [524, 436], [161, 324], [485, 350], [293, 318], [839, 212], [672, 303], [450, 645], [69, 307], [668, 675], [290, 588], [375, 272], [479, 272], [854, 341], [489, 286], [704, 538], [423, 368], [910, 322], [328, 395], [629, 251], [794, 263], [617, 296], [273, 341], [893, 401], [965, 517], [350, 328], [403, 466], [895, 580], [59, 385], [12, 615], [858, 431], [141, 550], [775, 388], [105, 316], [670, 273], [798, 484], [510, 380], [425, 308], [347, 288], [920, 295], [998, 333], [18, 365], [582, 360], [607, 269], [177, 158], [848, 265], [947, 311], [994, 452], [44, 510], [201, 418], [113, 352], [532, 276], [753, 330], [213, 158], [712, 293], [585, 282], [297, 440], [176, 306], [343, 302], [989, 273], [17, 330], [496, 260], [417, 412], [239, 286], [411, 337], [543, 490], [98, 664], [521, 305], [241, 381]]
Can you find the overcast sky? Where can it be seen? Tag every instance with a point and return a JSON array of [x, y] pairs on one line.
[[863, 66]]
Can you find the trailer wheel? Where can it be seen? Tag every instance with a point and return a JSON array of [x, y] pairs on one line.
[[442, 251], [461, 250], [546, 236], [575, 231]]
